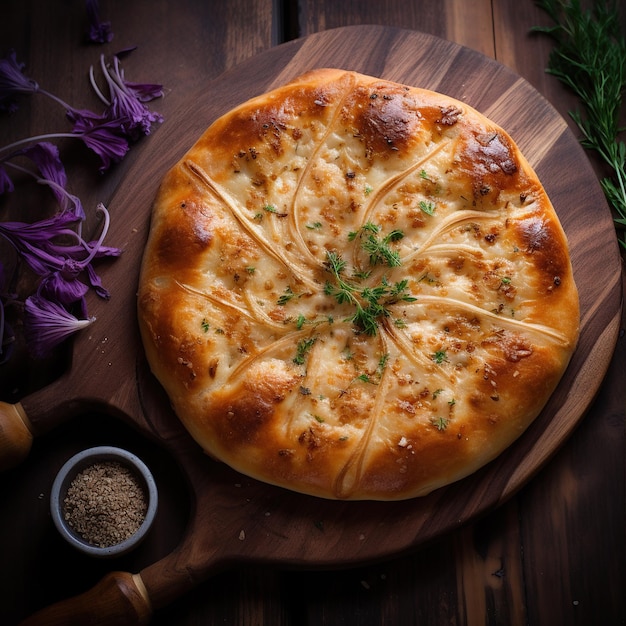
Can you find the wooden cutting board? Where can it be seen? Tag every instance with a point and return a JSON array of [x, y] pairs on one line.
[[235, 519]]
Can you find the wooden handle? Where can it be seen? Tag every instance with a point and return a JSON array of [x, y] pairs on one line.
[[39, 412], [16, 436], [119, 599]]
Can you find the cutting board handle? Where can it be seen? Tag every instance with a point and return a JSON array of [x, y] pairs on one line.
[[16, 435], [119, 599], [40, 412]]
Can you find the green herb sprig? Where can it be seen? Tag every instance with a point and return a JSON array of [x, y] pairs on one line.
[[371, 303], [589, 57], [378, 247], [304, 347]]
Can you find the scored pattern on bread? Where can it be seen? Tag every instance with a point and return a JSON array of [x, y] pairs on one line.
[[356, 289]]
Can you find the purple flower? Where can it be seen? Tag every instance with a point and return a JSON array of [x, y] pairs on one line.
[[102, 136], [126, 103], [52, 173], [64, 287], [47, 324], [45, 156], [145, 92], [13, 82], [68, 201], [60, 265], [99, 32], [125, 118], [96, 283], [54, 247], [35, 241]]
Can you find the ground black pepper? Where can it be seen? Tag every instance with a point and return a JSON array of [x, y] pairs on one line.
[[105, 504]]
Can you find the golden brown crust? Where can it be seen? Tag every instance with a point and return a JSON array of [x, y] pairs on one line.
[[356, 289]]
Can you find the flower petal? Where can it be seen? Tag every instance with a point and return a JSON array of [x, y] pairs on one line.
[[13, 82], [65, 289], [36, 242], [102, 136], [96, 283], [45, 156], [47, 324], [99, 32], [145, 91]]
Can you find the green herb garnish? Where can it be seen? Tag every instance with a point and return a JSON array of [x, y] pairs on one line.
[[270, 208], [589, 57], [440, 423], [427, 207], [288, 295], [379, 250], [371, 302], [304, 346], [439, 357]]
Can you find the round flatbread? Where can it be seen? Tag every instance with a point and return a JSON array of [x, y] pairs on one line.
[[356, 289]]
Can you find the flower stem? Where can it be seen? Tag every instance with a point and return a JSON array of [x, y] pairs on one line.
[[95, 87], [35, 139], [94, 250], [64, 104]]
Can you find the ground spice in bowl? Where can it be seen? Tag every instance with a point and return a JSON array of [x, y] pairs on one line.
[[105, 504], [104, 501]]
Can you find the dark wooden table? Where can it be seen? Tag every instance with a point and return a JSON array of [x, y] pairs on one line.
[[552, 554]]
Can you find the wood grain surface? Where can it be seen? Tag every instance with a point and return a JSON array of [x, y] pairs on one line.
[[257, 522], [490, 580]]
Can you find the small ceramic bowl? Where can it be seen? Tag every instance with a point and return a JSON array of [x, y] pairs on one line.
[[95, 506]]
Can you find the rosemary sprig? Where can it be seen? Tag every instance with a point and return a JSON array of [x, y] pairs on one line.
[[589, 57]]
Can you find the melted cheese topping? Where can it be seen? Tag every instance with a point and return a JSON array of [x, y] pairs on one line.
[[356, 289]]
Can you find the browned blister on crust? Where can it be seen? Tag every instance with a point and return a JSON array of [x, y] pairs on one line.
[[356, 289]]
